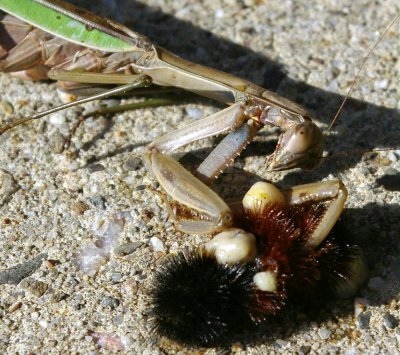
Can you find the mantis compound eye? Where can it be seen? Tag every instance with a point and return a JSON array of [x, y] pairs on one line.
[[299, 138], [300, 146]]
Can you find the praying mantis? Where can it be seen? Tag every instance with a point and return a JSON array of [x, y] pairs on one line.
[[69, 187]]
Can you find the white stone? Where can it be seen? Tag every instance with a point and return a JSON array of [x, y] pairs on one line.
[[157, 244], [194, 112]]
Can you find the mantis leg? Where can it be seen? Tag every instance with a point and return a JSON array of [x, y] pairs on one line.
[[230, 119], [332, 190], [221, 122], [211, 212]]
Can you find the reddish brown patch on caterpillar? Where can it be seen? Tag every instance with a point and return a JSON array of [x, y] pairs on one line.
[[282, 233]]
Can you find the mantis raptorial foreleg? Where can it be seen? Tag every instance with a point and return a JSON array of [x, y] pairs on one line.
[[320, 191], [221, 122], [229, 119], [183, 188]]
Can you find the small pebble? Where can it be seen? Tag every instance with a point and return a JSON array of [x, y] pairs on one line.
[[92, 168], [57, 142], [351, 351], [324, 333], [133, 163], [57, 119], [333, 86], [79, 207], [219, 13], [305, 349], [383, 162], [393, 156], [8, 186], [98, 202], [126, 249], [282, 343], [6, 108], [157, 244], [390, 321], [58, 297], [140, 187], [127, 340], [110, 302], [43, 323], [66, 97], [381, 84], [116, 277], [118, 320], [363, 320], [35, 287], [108, 341], [194, 112]]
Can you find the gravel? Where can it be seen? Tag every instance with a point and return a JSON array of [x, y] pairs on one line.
[[95, 197]]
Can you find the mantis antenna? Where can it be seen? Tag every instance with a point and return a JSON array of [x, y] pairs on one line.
[[358, 73], [142, 81]]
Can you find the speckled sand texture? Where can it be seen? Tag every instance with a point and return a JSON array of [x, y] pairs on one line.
[[55, 208]]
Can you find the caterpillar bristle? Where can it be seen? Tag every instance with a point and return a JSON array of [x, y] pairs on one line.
[[199, 302], [343, 268]]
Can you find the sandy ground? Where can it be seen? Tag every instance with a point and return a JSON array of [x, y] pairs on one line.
[[54, 208]]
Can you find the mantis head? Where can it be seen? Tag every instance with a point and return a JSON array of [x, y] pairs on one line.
[[300, 146]]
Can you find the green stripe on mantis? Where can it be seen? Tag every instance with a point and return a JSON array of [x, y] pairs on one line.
[[63, 25]]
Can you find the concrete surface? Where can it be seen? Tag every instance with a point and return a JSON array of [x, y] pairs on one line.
[[55, 207]]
